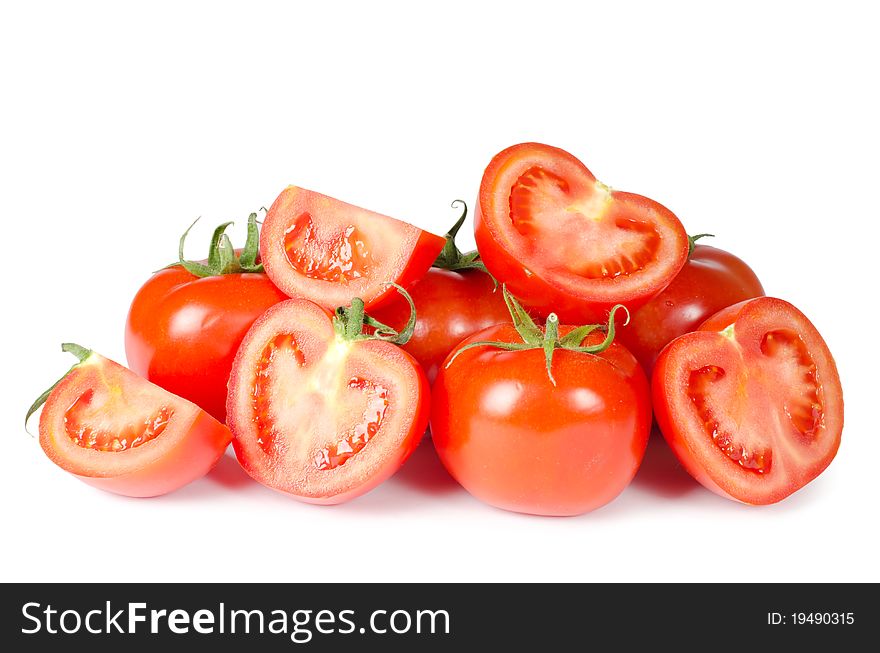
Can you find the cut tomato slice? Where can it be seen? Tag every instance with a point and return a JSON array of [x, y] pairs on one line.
[[317, 415], [563, 241], [751, 402], [319, 248], [120, 433]]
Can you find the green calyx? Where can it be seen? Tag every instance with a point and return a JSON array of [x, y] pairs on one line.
[[692, 241], [222, 257], [548, 338], [77, 350], [451, 257], [349, 322]]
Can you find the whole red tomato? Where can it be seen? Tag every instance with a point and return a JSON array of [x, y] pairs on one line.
[[712, 279], [187, 321], [455, 299], [520, 439]]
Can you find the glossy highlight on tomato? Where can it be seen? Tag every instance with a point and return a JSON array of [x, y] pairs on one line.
[[563, 241], [120, 433], [711, 279], [751, 402], [322, 249], [517, 441], [317, 414]]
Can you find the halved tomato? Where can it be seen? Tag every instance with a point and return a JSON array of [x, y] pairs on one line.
[[120, 433], [751, 403], [319, 248], [563, 241], [319, 410]]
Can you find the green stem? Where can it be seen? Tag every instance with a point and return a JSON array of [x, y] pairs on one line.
[[72, 348], [692, 241], [547, 339]]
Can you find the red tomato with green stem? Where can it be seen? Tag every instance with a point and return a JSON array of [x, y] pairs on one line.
[[751, 402], [546, 422], [120, 433], [456, 298], [324, 250], [563, 241], [186, 322], [711, 279], [321, 410]]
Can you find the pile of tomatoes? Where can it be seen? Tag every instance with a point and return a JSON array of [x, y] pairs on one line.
[[327, 345]]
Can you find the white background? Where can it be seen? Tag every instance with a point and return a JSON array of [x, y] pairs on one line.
[[757, 122]]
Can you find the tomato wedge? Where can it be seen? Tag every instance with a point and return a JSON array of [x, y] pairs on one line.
[[317, 409], [319, 248], [751, 402], [120, 433], [563, 241]]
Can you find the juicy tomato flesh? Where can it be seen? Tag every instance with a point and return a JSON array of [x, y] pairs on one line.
[[751, 402], [317, 416], [340, 256], [576, 226], [726, 403], [79, 424], [327, 251], [120, 433], [564, 242]]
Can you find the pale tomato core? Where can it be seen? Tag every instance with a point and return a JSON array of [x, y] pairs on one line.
[[338, 453], [787, 364], [575, 228], [339, 256], [129, 436]]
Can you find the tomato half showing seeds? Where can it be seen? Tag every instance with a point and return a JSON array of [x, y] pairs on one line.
[[329, 252], [751, 403], [711, 279], [517, 441], [120, 433], [563, 241], [320, 411], [455, 298], [186, 322]]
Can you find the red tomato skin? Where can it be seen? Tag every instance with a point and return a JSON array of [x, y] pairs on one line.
[[665, 413], [712, 279], [538, 294], [193, 456], [320, 317], [515, 441], [182, 331], [450, 306]]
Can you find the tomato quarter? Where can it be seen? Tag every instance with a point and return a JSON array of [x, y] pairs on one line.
[[319, 411], [563, 241], [120, 433], [751, 403], [712, 279], [520, 440], [329, 252]]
